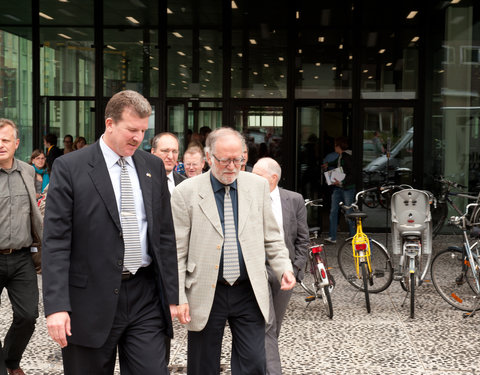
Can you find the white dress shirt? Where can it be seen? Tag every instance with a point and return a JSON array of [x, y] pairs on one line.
[[277, 207], [114, 169], [170, 182]]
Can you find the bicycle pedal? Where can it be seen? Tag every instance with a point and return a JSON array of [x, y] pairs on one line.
[[310, 299]]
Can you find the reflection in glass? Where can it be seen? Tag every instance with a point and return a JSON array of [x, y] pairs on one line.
[[71, 12], [131, 61], [16, 84], [67, 62], [180, 59]]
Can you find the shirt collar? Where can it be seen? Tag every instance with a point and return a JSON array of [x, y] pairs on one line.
[[14, 167], [110, 156], [217, 185], [275, 193]]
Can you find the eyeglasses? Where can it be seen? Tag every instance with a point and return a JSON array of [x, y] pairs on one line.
[[188, 165], [168, 150], [226, 162]]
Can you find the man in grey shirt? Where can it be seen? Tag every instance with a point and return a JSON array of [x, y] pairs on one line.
[[20, 228]]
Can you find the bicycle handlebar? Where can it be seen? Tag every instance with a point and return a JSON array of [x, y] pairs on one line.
[[313, 202], [450, 183]]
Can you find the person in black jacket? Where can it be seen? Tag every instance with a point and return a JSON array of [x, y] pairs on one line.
[[52, 151], [343, 191]]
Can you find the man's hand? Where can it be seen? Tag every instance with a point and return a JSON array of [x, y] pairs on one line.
[[288, 281], [183, 313], [173, 311], [58, 325]]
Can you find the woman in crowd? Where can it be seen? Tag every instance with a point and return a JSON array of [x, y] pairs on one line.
[[79, 143], [38, 160]]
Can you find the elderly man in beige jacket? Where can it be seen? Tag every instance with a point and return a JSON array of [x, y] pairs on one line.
[[225, 232]]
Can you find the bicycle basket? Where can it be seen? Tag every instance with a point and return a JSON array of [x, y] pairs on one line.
[[411, 217]]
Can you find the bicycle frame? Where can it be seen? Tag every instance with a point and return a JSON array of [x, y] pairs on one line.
[[361, 248]]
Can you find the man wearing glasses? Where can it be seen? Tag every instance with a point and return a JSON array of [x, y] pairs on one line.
[[225, 229], [194, 161], [165, 146]]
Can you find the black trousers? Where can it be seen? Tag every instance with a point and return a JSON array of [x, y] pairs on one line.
[[238, 306], [138, 332], [18, 276]]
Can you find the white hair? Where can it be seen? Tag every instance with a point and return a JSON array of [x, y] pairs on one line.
[[270, 166]]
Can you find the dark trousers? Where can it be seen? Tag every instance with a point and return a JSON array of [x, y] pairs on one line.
[[138, 332], [238, 306], [18, 276]]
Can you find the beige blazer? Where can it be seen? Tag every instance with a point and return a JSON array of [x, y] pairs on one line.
[[199, 237]]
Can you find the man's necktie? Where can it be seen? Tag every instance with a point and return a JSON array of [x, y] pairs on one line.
[[231, 268], [132, 259]]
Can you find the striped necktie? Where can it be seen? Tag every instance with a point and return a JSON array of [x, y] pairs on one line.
[[132, 259], [231, 267]]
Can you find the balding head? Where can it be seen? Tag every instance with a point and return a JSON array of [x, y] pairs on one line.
[[269, 169]]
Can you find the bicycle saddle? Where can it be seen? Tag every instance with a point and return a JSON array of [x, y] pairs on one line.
[[355, 215]]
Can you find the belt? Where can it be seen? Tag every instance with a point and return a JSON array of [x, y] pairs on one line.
[[224, 282], [8, 251], [127, 275]]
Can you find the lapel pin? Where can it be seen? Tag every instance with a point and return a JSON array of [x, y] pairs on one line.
[[148, 174]]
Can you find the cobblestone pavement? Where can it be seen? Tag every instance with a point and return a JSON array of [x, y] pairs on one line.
[[385, 342]]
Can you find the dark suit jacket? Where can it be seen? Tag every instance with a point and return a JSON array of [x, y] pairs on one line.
[[177, 177], [54, 153], [83, 246], [295, 229]]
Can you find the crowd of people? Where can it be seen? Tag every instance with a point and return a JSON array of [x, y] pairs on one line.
[[131, 243]]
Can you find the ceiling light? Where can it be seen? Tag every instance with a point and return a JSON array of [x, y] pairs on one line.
[[350, 57], [412, 14], [300, 51], [253, 41], [110, 47], [334, 68], [155, 68], [64, 36], [441, 71], [234, 5], [389, 64], [181, 53], [321, 39], [382, 50], [207, 80], [266, 65], [169, 11], [370, 77], [455, 1], [172, 84], [208, 72], [239, 54], [177, 34], [300, 70], [365, 71], [46, 16], [208, 48], [182, 74], [297, 15], [210, 61], [415, 39], [282, 76], [316, 77], [340, 46], [318, 64], [183, 66], [184, 81], [255, 73], [63, 1], [280, 58], [132, 20]]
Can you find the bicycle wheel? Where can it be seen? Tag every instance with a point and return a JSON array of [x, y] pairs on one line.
[[412, 294], [370, 199], [453, 279], [439, 214], [327, 301], [382, 269], [365, 278]]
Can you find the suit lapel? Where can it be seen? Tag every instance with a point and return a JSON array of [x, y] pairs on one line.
[[244, 203], [101, 179], [284, 199], [145, 180], [208, 204]]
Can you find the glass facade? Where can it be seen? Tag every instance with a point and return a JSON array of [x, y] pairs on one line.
[[291, 75]]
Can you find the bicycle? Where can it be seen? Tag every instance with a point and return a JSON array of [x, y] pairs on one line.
[[363, 261], [318, 282], [440, 210], [411, 238], [456, 270]]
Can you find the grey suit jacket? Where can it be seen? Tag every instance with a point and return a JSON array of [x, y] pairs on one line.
[[199, 237], [295, 229], [28, 175], [177, 177]]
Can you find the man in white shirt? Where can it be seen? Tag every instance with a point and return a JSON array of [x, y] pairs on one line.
[[165, 146], [194, 161], [290, 213]]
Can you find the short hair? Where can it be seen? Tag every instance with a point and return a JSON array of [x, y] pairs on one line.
[[127, 99], [50, 138], [221, 132], [35, 153], [342, 142], [7, 122], [160, 135], [270, 166], [68, 136], [194, 148]]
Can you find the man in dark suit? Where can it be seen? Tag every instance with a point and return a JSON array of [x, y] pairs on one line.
[[52, 151], [290, 213], [95, 298], [165, 146]]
